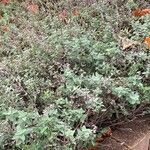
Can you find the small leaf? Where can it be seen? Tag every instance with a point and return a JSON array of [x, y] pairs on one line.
[[134, 98], [69, 133], [43, 129]]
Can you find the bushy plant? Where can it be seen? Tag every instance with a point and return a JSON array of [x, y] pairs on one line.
[[64, 74]]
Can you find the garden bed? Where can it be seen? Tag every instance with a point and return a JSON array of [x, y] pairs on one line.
[[70, 71]]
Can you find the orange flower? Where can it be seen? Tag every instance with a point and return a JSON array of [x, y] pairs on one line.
[[33, 8], [147, 41], [140, 12]]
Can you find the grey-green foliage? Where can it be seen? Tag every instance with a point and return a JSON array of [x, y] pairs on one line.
[[60, 80]]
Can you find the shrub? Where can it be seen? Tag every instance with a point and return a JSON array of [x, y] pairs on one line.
[[64, 72]]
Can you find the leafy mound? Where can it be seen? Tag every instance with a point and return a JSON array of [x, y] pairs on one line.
[[69, 69]]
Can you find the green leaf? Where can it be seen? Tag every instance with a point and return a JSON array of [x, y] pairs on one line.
[[134, 98]]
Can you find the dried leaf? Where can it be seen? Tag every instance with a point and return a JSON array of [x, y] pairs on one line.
[[33, 8], [140, 12], [5, 1], [147, 41], [75, 12], [63, 16], [4, 28], [99, 139], [108, 133], [95, 147], [127, 43]]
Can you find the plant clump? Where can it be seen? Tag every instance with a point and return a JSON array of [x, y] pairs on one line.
[[70, 70]]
